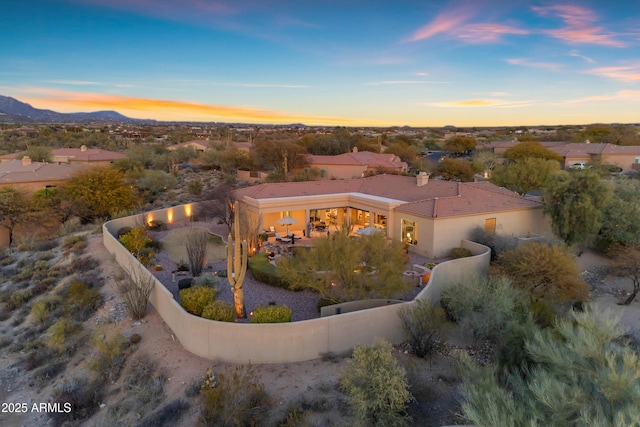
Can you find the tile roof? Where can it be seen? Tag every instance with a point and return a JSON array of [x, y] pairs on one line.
[[368, 158], [87, 154], [435, 199], [15, 172]]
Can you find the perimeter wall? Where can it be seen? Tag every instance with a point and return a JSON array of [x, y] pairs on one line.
[[283, 342]]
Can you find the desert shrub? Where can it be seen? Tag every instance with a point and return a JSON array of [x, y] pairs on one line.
[[122, 231], [46, 373], [207, 280], [195, 186], [46, 245], [239, 399], [376, 386], [26, 243], [80, 300], [109, 354], [425, 327], [36, 355], [80, 396], [497, 243], [265, 272], [195, 298], [512, 355], [460, 253], [7, 260], [75, 241], [185, 283], [19, 298], [484, 306], [142, 381], [157, 225], [271, 314], [40, 270], [58, 334], [196, 247], [219, 310], [42, 310], [71, 225], [134, 290], [25, 273], [43, 285], [169, 415]]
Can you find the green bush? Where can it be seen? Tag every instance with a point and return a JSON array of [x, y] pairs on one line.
[[271, 314], [185, 283], [41, 310], [238, 399], [122, 231], [376, 386], [219, 310], [81, 301], [265, 272], [157, 225], [58, 334], [19, 298], [109, 354], [74, 241], [460, 253], [195, 298]]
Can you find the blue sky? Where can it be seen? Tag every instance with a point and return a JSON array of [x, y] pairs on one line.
[[349, 62]]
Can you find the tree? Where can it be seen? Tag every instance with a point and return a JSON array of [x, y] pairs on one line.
[[524, 175], [15, 207], [575, 202], [625, 262], [156, 181], [459, 145], [98, 192], [454, 169], [531, 149], [376, 386], [424, 325], [621, 219], [584, 374], [217, 204], [342, 268], [38, 153], [545, 272], [487, 158]]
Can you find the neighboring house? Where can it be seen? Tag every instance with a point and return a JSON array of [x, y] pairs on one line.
[[34, 176], [81, 156], [430, 216], [198, 145], [625, 156], [356, 164]]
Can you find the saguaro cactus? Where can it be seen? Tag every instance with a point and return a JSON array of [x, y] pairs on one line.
[[237, 265]]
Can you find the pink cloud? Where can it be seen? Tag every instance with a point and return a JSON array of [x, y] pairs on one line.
[[487, 33], [626, 74], [533, 64], [579, 26], [443, 23]]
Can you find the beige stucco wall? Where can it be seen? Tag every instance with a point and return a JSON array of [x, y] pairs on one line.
[[286, 342], [436, 237], [33, 186], [625, 161]]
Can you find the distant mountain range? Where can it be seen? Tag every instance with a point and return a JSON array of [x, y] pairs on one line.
[[14, 111]]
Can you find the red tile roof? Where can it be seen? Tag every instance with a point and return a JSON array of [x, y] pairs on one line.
[[435, 199], [15, 172], [370, 159]]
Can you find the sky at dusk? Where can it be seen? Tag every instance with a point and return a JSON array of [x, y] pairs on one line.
[[347, 63]]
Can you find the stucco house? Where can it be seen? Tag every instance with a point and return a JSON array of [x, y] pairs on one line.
[[431, 216], [34, 176], [198, 145], [356, 164], [625, 156], [79, 156]]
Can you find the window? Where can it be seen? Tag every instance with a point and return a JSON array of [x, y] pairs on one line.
[[409, 232], [490, 226], [323, 173]]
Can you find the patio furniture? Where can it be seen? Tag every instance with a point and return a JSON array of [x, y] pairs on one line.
[[281, 238]]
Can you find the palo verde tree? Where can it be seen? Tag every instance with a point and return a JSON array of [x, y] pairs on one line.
[[524, 175], [625, 262], [621, 219], [459, 145], [15, 207], [575, 202], [98, 193], [545, 272], [584, 374], [343, 268], [531, 149]]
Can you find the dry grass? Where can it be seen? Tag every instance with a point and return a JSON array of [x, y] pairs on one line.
[[175, 245]]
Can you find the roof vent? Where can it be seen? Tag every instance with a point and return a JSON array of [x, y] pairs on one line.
[[83, 148]]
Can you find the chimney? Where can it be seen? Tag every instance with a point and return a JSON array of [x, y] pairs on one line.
[[26, 161], [354, 150], [422, 179], [83, 148]]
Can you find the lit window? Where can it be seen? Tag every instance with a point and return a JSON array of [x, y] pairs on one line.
[[409, 232]]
